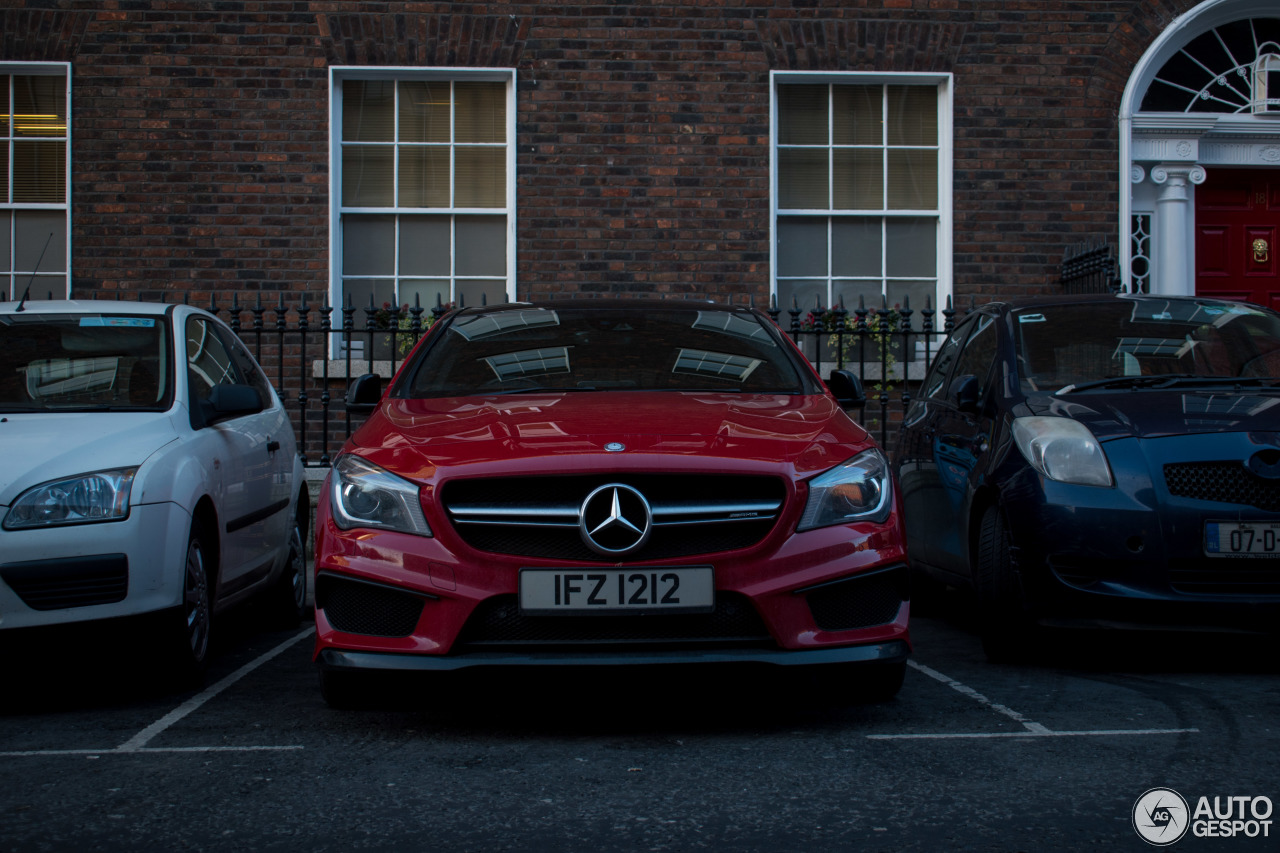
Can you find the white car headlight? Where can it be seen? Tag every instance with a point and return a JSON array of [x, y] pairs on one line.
[[84, 499], [860, 489], [1063, 450], [364, 495]]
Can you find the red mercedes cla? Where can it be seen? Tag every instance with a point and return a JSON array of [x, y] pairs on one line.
[[600, 483]]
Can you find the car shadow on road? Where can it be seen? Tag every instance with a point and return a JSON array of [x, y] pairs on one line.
[[1106, 648], [637, 700]]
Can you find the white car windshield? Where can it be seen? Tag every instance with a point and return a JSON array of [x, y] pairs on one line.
[[83, 362]]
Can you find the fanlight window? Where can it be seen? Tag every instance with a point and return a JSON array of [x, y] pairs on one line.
[[1228, 69]]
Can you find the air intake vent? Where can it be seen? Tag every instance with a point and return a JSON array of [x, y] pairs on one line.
[[1222, 482], [859, 602], [67, 583], [361, 607]]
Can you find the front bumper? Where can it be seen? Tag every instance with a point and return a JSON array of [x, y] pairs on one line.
[[87, 572], [387, 600], [1133, 556]]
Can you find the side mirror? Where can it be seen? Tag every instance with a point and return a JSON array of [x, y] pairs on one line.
[[964, 390], [846, 387], [223, 403], [364, 392]]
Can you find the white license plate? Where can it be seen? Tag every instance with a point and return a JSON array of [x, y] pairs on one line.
[[1242, 538], [665, 589]]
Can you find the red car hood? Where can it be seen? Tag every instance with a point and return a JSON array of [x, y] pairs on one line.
[[547, 432]]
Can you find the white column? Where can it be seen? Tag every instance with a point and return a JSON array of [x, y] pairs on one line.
[[1173, 229]]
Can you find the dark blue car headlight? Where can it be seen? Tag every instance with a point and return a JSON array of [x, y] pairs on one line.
[[1063, 450], [860, 489]]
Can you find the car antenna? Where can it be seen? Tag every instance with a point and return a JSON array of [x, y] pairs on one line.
[[27, 292]]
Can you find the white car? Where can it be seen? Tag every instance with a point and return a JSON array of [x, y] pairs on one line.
[[148, 467]]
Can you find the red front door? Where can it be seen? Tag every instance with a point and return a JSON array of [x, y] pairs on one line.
[[1237, 220]]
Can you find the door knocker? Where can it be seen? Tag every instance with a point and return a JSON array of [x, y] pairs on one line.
[[1261, 251]]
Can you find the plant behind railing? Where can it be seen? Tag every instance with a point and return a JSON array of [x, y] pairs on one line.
[[879, 345]]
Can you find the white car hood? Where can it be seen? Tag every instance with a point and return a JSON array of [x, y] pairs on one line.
[[42, 446]]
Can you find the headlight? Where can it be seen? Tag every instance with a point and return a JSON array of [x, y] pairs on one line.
[[1062, 450], [365, 495], [858, 490], [88, 498]]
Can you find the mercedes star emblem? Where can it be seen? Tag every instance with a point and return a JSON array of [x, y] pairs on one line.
[[614, 520]]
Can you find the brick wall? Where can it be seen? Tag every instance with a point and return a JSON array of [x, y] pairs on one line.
[[200, 137]]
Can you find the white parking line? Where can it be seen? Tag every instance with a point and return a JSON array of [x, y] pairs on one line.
[[1032, 729], [138, 743]]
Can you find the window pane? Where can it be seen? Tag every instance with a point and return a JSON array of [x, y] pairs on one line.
[[471, 293], [913, 115], [802, 246], [39, 106], [424, 176], [368, 245], [913, 180], [911, 247], [367, 176], [6, 244], [4, 172], [361, 290], [32, 230], [482, 245], [802, 179], [480, 112], [368, 111], [424, 245], [426, 291], [857, 115], [424, 111], [42, 286], [480, 180], [802, 115], [858, 177], [806, 294], [39, 172], [919, 292], [855, 247], [4, 108], [866, 294]]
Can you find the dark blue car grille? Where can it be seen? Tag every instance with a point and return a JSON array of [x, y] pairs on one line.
[[1222, 482]]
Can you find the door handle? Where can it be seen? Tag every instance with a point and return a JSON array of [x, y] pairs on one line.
[[272, 446]]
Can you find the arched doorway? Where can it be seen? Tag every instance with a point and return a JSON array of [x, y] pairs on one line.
[[1200, 152]]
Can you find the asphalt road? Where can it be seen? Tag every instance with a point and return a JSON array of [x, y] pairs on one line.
[[96, 754]]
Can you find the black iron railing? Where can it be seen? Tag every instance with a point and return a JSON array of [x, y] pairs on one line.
[[310, 355], [1090, 268]]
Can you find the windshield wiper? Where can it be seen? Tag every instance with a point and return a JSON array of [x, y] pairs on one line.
[[1166, 380]]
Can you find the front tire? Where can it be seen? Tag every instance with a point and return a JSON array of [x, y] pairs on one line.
[[289, 594], [192, 629], [1004, 621]]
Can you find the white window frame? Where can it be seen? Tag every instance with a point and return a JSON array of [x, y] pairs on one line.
[[339, 74], [944, 212], [44, 69]]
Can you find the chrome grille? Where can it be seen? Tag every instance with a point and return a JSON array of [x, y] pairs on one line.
[[1222, 482], [538, 516]]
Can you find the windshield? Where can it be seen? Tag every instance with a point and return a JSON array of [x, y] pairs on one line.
[[609, 348], [83, 362], [1135, 342]]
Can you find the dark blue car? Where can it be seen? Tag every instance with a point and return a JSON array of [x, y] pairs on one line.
[[1100, 461]]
